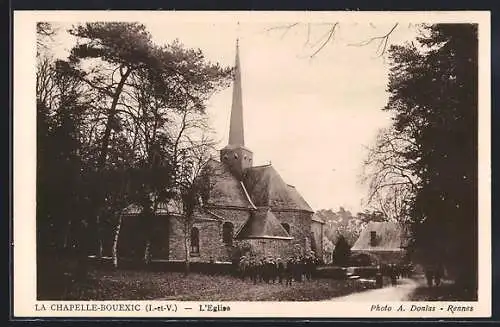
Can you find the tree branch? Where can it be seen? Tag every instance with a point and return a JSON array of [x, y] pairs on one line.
[[383, 41], [331, 33]]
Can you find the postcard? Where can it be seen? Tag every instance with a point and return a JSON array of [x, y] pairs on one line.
[[251, 164]]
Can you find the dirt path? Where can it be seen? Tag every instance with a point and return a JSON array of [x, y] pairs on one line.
[[401, 292]]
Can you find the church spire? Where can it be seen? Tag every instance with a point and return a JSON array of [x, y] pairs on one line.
[[236, 131], [235, 155]]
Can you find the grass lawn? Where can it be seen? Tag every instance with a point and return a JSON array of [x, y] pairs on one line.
[[447, 291], [146, 285]]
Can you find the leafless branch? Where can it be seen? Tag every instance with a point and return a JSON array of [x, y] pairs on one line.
[[308, 34], [285, 28], [383, 40], [331, 33]]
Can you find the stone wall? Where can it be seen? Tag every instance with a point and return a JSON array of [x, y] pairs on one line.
[[168, 236], [176, 242], [382, 257], [275, 248], [210, 235], [237, 217], [300, 228], [211, 246], [317, 234]]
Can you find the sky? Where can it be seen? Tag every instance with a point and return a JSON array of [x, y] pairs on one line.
[[312, 118]]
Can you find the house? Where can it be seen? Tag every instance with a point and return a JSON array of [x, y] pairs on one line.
[[317, 232], [382, 241]]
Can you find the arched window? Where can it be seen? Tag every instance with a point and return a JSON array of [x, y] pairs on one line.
[[195, 241], [286, 227], [227, 233], [373, 238]]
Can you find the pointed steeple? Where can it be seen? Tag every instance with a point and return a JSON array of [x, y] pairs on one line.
[[235, 155], [236, 130]]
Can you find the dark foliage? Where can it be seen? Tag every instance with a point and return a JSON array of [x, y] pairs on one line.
[[434, 98], [113, 124], [342, 252]]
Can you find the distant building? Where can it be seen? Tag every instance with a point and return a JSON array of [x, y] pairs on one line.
[[384, 241], [317, 232], [245, 203]]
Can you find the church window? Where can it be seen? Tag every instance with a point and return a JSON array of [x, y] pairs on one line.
[[286, 227], [195, 241], [245, 157], [225, 157], [373, 238], [235, 156], [227, 233]]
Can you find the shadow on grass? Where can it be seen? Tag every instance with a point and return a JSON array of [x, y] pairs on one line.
[[147, 285], [448, 291]]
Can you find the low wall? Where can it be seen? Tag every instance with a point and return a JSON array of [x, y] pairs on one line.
[[165, 265]]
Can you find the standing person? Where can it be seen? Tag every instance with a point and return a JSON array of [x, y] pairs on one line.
[[262, 269], [298, 269], [429, 275], [379, 278], [281, 270], [253, 269], [289, 271], [393, 274], [438, 275]]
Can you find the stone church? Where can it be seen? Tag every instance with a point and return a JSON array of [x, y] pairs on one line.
[[247, 206]]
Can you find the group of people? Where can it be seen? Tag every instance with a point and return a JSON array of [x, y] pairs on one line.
[[434, 274], [394, 272], [277, 270]]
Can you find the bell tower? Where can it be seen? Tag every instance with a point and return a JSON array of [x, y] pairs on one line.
[[235, 155]]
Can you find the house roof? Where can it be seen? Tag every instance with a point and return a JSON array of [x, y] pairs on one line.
[[262, 224], [389, 237], [226, 189], [317, 218], [267, 189], [172, 207]]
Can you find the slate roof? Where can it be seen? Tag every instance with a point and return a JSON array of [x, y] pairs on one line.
[[267, 189], [262, 224], [171, 207], [389, 237], [317, 218], [225, 189], [261, 187]]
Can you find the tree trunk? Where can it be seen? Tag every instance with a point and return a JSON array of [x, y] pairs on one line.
[[104, 149], [186, 247], [115, 242], [147, 248], [112, 112], [149, 226], [147, 253], [99, 238]]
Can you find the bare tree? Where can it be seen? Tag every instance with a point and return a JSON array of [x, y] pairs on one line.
[[193, 177], [329, 31], [388, 173], [381, 40], [45, 32], [194, 180]]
